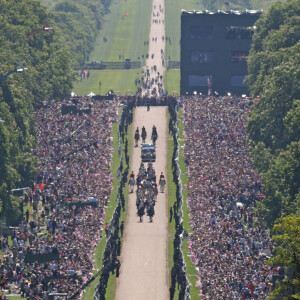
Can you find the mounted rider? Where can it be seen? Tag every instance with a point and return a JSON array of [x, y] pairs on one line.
[[136, 136], [154, 131], [162, 176], [144, 130], [154, 135], [144, 134]]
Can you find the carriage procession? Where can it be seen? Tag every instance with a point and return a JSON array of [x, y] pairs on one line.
[[145, 181]]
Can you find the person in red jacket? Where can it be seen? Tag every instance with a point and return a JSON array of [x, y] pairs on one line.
[[162, 176]]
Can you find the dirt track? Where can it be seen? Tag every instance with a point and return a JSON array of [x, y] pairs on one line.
[[143, 273]]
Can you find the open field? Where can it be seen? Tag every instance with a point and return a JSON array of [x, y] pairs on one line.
[[116, 80], [172, 81], [124, 38]]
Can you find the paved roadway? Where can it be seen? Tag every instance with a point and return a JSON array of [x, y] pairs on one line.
[[143, 273]]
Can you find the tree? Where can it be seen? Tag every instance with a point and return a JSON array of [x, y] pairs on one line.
[[274, 124], [281, 185], [49, 76], [287, 255]]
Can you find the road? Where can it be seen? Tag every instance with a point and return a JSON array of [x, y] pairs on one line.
[[144, 263], [157, 44]]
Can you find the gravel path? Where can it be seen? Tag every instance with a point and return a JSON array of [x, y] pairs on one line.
[[143, 273]]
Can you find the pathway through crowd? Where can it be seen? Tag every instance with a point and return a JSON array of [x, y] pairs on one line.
[[155, 64], [143, 273]]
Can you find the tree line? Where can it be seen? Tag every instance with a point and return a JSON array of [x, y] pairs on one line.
[[78, 22], [50, 43], [274, 131]]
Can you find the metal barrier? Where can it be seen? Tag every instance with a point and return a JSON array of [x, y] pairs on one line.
[[171, 64], [114, 65]]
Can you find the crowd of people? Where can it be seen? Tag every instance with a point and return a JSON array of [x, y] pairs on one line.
[[228, 244], [69, 201]]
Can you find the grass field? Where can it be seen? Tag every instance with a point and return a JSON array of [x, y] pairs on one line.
[[125, 37], [116, 80], [171, 188], [190, 268], [172, 81]]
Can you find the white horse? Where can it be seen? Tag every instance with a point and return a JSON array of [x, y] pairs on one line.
[[162, 184], [131, 184]]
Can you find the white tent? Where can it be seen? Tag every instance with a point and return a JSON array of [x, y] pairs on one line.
[[91, 94]]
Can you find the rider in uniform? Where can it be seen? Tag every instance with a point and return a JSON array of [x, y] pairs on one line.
[[144, 130], [154, 130], [162, 176], [132, 175]]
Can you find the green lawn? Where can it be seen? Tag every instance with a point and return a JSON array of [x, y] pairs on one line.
[[190, 267], [171, 188], [172, 81], [116, 80], [125, 36], [15, 298]]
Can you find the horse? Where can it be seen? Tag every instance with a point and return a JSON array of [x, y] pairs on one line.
[[155, 191], [136, 138], [150, 212], [131, 184], [154, 138], [144, 135], [162, 183], [141, 211]]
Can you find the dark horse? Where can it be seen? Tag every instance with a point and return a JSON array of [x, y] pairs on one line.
[[154, 138], [150, 213], [141, 212], [154, 135], [136, 138], [144, 135]]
